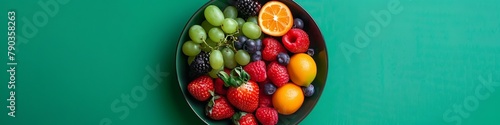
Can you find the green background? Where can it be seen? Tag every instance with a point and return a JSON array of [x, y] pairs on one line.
[[431, 56]]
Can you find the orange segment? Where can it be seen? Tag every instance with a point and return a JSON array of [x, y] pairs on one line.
[[275, 18]]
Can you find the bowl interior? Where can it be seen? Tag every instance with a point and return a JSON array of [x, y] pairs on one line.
[[317, 42]]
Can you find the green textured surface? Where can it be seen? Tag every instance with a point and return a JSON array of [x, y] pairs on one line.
[[430, 56]]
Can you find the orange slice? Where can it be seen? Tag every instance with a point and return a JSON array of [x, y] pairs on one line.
[[275, 18]]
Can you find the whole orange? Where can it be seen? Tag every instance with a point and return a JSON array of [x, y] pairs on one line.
[[288, 99], [302, 69]]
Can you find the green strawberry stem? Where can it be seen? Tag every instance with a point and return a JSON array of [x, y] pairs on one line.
[[237, 116], [236, 78], [211, 103]]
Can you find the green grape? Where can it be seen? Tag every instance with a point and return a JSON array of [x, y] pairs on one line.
[[240, 21], [205, 48], [251, 30], [253, 19], [228, 56], [231, 12], [197, 34], [215, 59], [206, 26], [216, 34], [214, 15], [213, 73], [242, 57], [190, 48], [229, 25], [191, 59]]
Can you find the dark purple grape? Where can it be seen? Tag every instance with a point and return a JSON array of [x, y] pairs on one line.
[[240, 42], [310, 51], [298, 23], [257, 56], [258, 43], [283, 58], [250, 46], [269, 89], [308, 91]]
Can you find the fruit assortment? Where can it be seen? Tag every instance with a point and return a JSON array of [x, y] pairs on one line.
[[250, 70]]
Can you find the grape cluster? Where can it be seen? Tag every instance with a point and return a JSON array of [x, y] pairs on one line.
[[228, 39]]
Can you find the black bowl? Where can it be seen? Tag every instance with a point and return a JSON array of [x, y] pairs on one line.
[[317, 42]]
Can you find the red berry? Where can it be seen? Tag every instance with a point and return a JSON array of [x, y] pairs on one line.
[[256, 70], [261, 84], [218, 108], [243, 93], [265, 100], [200, 88], [243, 118], [244, 97], [277, 74], [219, 85], [296, 40], [267, 116], [271, 49]]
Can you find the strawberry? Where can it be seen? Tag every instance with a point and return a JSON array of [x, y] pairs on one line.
[[265, 100], [296, 40], [257, 71], [277, 74], [243, 118], [218, 108], [242, 93], [272, 48], [267, 116], [201, 87], [219, 85]]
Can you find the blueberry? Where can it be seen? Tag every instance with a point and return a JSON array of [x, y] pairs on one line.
[[269, 89], [250, 46], [258, 43], [308, 91], [283, 58], [257, 56], [241, 41], [310, 51], [298, 23]]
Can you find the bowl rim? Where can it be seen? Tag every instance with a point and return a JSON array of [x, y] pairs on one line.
[[200, 10], [179, 52]]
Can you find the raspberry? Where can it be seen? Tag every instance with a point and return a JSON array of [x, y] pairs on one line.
[[296, 41], [265, 101], [277, 74], [267, 116], [256, 70], [271, 49]]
